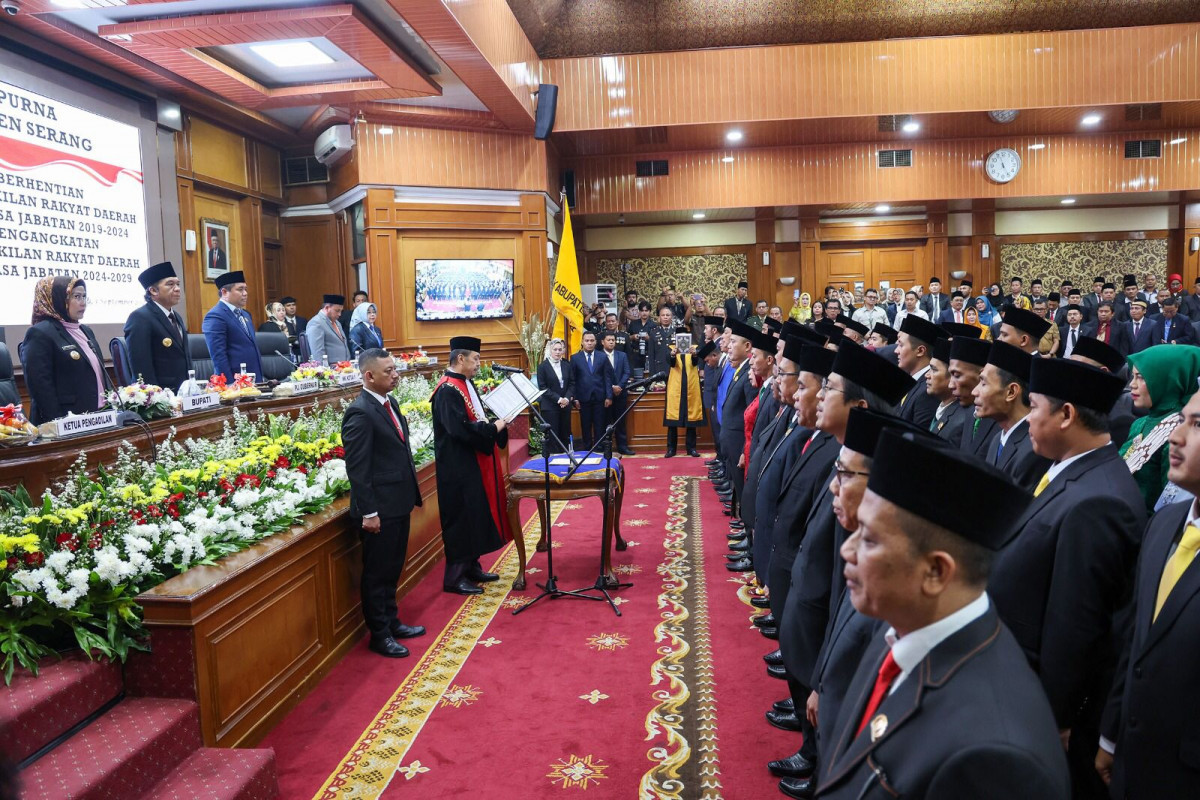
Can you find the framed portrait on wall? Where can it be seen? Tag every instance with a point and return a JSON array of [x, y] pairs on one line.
[[214, 235]]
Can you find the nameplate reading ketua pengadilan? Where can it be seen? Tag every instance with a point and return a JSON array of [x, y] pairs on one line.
[[78, 424]]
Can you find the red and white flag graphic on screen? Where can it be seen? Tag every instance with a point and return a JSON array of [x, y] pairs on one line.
[[21, 156]]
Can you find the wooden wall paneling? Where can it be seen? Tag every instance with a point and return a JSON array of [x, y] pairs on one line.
[[809, 256], [218, 153], [183, 149], [311, 266], [383, 278], [271, 229], [938, 256], [207, 205], [761, 277], [1189, 227], [193, 290], [900, 264], [267, 170], [983, 226], [787, 264], [272, 273], [253, 257]]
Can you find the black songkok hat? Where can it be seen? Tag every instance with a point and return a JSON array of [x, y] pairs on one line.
[[1027, 321], [1129, 281], [792, 347], [828, 329], [1098, 279], [739, 328], [229, 278], [1108, 286], [775, 325], [873, 373], [808, 335], [716, 322], [886, 331], [864, 426], [857, 327], [1096, 350], [158, 272], [466, 343], [957, 329], [972, 351], [1076, 383], [817, 360], [743, 285], [765, 342], [1054, 297], [790, 328], [922, 329], [706, 349], [333, 299], [900, 475], [1011, 359], [941, 350]]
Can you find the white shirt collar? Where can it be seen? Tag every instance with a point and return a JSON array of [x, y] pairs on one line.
[[917, 375], [910, 650], [232, 307], [1054, 471], [1005, 434], [942, 408], [378, 397], [166, 311]]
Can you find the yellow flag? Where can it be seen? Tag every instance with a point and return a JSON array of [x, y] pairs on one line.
[[567, 297]]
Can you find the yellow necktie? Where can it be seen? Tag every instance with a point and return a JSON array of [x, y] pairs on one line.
[[1042, 484], [1177, 564]]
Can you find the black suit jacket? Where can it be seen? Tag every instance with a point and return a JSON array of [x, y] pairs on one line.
[[1018, 460], [970, 721], [158, 352], [847, 638], [1058, 583], [918, 406], [737, 398], [1181, 330], [1119, 336], [733, 311], [383, 477], [592, 385], [555, 389], [57, 382], [768, 430], [977, 440], [954, 419], [1144, 337], [1154, 705]]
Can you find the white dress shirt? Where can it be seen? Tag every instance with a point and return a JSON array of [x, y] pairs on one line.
[[1005, 434], [1057, 468], [910, 650]]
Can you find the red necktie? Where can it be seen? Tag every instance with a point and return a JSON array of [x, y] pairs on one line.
[[888, 672], [396, 422]]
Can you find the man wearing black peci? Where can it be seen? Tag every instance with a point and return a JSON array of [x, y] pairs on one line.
[[383, 493], [155, 335]]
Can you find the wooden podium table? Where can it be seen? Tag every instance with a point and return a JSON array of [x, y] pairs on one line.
[[527, 482]]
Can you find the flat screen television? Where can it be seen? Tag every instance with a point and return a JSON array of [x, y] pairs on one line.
[[464, 288]]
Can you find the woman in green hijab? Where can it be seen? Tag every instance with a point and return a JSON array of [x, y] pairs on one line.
[[1164, 377]]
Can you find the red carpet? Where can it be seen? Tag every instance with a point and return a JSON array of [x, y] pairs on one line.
[[666, 700]]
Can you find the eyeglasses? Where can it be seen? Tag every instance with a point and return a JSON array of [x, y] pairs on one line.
[[825, 387], [841, 473]]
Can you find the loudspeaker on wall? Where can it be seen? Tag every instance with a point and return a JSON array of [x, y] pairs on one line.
[[547, 104]]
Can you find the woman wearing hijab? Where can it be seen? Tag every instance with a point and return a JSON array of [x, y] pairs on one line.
[[1164, 378], [64, 369], [555, 376], [984, 311], [971, 317], [802, 312], [363, 332]]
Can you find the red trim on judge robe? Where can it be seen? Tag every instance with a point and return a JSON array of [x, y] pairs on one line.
[[497, 501]]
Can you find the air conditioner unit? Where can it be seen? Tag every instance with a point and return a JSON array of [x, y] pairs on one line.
[[605, 293], [333, 144]]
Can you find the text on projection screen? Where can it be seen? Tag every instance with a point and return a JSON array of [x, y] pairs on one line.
[[71, 203]]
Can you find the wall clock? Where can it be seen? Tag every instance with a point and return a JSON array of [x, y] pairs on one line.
[[1003, 165]]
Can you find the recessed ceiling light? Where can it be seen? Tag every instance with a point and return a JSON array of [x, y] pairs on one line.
[[67, 3], [882, 208], [1180, 140], [727, 160], [698, 215], [1038, 146], [733, 136], [911, 127], [292, 54], [1066, 201], [1090, 119], [386, 130]]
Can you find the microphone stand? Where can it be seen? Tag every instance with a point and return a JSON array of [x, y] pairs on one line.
[[550, 587]]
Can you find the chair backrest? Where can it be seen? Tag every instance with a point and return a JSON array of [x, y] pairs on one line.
[[21, 353], [305, 350], [201, 360], [122, 363], [275, 367], [8, 384]]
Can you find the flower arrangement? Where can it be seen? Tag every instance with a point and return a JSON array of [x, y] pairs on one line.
[[313, 370], [344, 368], [414, 393], [417, 358], [73, 563], [487, 378], [146, 400]]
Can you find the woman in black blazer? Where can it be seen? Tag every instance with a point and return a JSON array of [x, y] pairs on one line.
[[556, 402], [64, 369]]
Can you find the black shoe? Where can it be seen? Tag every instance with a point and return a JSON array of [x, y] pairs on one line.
[[744, 565], [693, 453], [482, 577], [669, 454], [740, 546], [785, 721], [737, 524], [736, 537], [776, 657], [765, 620], [626, 451], [387, 646], [777, 671], [724, 487], [463, 587], [760, 602], [735, 556], [770, 633], [402, 631], [784, 705], [801, 789], [795, 766]]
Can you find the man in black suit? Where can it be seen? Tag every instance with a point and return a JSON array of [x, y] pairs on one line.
[[1059, 582], [1070, 333], [933, 302], [1002, 394], [738, 307], [949, 414], [1107, 329], [1140, 329], [738, 396], [593, 389], [1150, 719], [1171, 327], [967, 358], [942, 704], [1093, 298], [155, 335], [1023, 329], [383, 493], [1129, 293], [621, 375], [914, 348], [1191, 303], [555, 378], [296, 323]]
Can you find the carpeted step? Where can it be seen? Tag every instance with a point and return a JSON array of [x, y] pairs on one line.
[[35, 711], [218, 774], [120, 755]]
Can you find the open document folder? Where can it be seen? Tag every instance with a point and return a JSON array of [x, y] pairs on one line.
[[512, 397]]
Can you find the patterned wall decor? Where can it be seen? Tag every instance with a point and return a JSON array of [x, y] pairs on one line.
[[1079, 262], [714, 276]]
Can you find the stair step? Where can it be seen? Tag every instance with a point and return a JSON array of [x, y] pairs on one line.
[[218, 774], [35, 711], [120, 755]]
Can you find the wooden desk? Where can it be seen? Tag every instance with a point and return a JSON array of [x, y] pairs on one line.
[[644, 426], [580, 486]]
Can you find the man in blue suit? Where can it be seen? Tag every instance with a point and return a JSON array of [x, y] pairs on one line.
[[1171, 327], [621, 375], [229, 330], [594, 381]]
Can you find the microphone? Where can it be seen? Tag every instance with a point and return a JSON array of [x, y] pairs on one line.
[[659, 376], [508, 370], [289, 359]]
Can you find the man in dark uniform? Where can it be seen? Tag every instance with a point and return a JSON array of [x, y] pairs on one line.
[[1100, 355], [1002, 395], [949, 413], [638, 330], [737, 398], [660, 342], [942, 705], [470, 483], [967, 359], [1059, 581], [621, 337], [155, 334], [383, 493], [738, 306], [914, 349]]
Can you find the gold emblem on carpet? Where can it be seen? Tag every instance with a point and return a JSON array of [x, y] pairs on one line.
[[459, 696], [608, 642], [577, 771], [594, 696]]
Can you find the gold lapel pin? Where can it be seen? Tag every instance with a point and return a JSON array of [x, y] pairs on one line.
[[878, 726], [167, 342], [75, 355]]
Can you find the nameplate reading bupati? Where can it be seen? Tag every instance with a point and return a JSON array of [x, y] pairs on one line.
[[79, 424], [197, 402]]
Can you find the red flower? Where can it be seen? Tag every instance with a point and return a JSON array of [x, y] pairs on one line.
[[303, 470], [173, 510], [271, 473], [201, 494], [339, 452], [96, 542], [282, 462], [154, 511], [13, 562], [34, 559], [175, 498], [67, 541]]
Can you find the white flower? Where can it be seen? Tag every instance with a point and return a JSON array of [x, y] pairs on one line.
[[78, 579], [110, 568], [60, 561], [57, 597], [136, 544]]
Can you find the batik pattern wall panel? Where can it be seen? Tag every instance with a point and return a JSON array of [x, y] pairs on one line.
[[1079, 262], [714, 276]]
